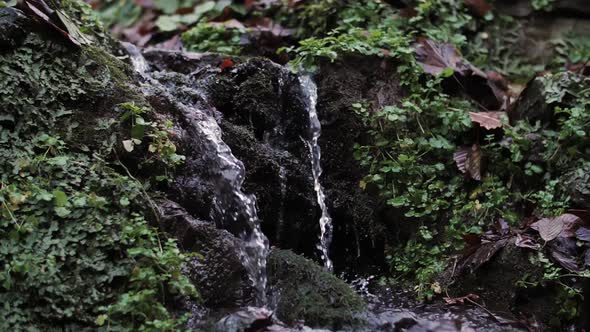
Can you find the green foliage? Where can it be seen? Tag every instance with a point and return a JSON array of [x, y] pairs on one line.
[[573, 49], [410, 158], [542, 5], [76, 250], [420, 260], [210, 37], [159, 143], [444, 21]]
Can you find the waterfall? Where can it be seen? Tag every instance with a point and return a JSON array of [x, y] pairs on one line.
[[310, 90], [232, 207]]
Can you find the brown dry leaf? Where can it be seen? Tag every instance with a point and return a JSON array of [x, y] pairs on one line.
[[488, 120], [478, 7], [564, 225], [468, 160], [548, 228], [460, 300], [436, 57], [583, 234], [525, 241], [56, 19], [565, 261], [571, 223]]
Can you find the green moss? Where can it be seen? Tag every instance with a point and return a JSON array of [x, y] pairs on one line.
[[308, 292], [75, 248]]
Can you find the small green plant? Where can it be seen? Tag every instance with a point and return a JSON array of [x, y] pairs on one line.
[[159, 141], [543, 5], [214, 37]]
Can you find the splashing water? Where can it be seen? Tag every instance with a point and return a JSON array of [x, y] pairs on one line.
[[232, 208], [311, 92]]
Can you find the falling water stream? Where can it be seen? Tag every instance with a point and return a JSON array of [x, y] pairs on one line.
[[231, 206], [310, 90]]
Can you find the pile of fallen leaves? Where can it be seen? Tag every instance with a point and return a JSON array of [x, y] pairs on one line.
[[161, 22]]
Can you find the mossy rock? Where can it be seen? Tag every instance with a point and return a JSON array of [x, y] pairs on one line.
[[305, 291]]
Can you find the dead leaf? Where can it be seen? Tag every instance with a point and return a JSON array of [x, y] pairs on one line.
[[468, 160], [56, 19], [226, 63], [460, 300], [526, 241], [435, 57], [548, 228], [565, 261], [488, 120], [478, 7], [564, 225], [583, 234], [571, 223], [587, 257]]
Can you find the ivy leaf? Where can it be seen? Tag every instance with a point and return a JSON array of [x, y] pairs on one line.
[[100, 320], [487, 120], [124, 201], [59, 198], [128, 145], [62, 211], [468, 160], [397, 201]]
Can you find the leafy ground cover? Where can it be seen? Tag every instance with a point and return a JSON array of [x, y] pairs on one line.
[[76, 248]]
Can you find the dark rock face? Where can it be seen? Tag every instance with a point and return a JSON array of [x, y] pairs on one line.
[[496, 280], [265, 123], [498, 283], [263, 116], [14, 27], [525, 7], [217, 271], [305, 291], [358, 228], [577, 183]]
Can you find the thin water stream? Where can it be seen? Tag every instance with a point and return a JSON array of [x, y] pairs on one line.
[[231, 205], [311, 92]]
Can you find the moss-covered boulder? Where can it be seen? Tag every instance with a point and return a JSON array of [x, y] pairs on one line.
[[305, 291], [76, 250]]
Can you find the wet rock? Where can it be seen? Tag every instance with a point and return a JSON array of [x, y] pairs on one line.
[[216, 270], [522, 8], [543, 93], [265, 123], [497, 283], [358, 228], [14, 27], [248, 319], [262, 112], [577, 183], [304, 291]]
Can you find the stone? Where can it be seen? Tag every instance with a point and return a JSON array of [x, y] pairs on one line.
[[302, 290], [14, 27], [216, 269]]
